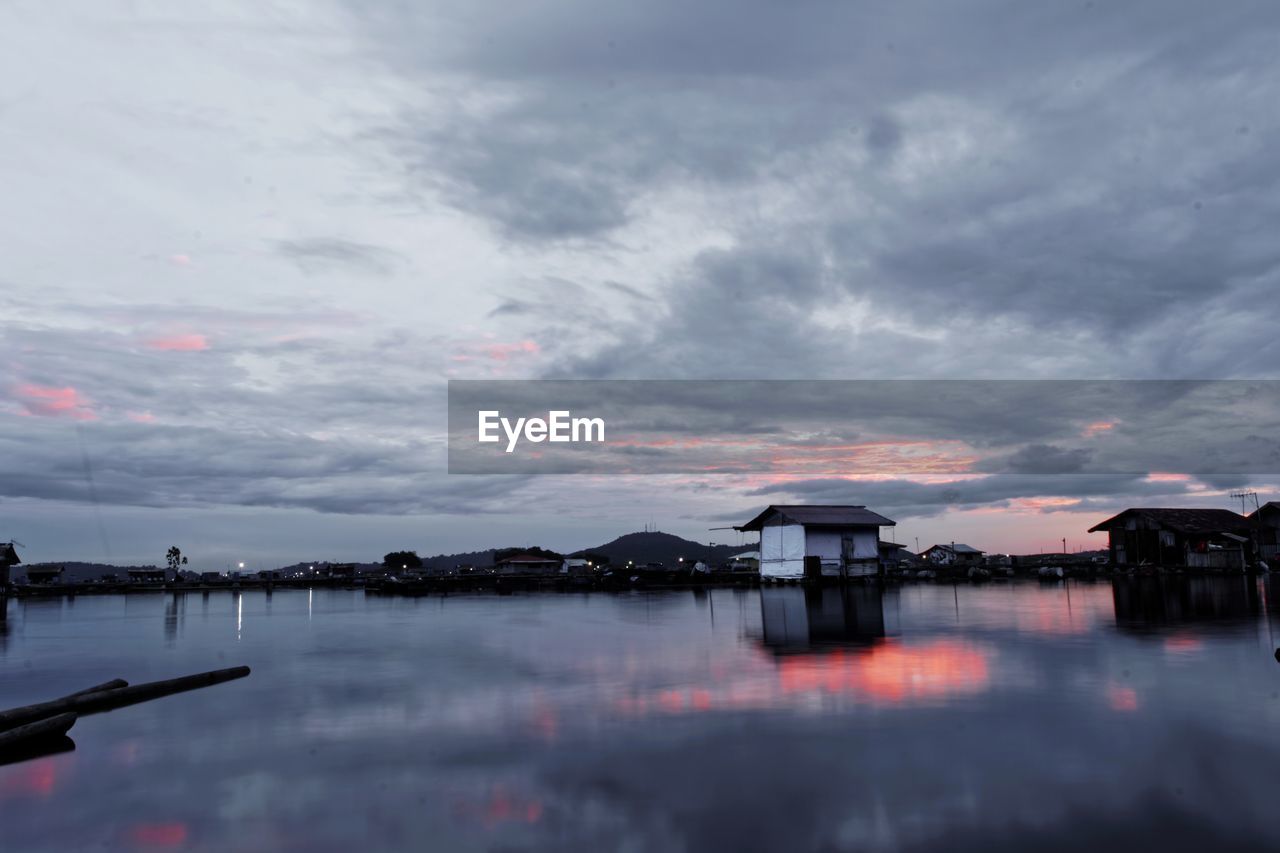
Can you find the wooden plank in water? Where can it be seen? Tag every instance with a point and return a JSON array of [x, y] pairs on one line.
[[117, 697], [24, 736]]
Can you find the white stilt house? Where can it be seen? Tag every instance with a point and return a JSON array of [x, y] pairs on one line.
[[817, 540]]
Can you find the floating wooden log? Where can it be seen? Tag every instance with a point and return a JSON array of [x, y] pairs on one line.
[[37, 749], [21, 717], [97, 688], [117, 697], [26, 736]]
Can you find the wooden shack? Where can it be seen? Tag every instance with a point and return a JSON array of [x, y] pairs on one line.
[[833, 541], [1264, 524], [1204, 538]]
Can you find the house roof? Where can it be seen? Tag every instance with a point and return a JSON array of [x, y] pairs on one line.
[[958, 548], [528, 558], [1182, 519], [819, 515], [1266, 509]]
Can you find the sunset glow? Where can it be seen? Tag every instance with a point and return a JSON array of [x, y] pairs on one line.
[[43, 401]]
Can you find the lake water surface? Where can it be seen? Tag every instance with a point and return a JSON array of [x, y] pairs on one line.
[[1013, 716]]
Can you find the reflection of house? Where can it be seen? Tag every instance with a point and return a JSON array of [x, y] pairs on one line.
[[147, 575], [812, 541], [44, 574], [1150, 604], [797, 618], [1264, 523], [1197, 538], [955, 554], [527, 564]]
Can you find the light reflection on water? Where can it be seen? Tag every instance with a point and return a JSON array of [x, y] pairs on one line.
[[1006, 715]]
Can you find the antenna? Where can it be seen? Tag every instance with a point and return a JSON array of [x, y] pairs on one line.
[[1244, 497]]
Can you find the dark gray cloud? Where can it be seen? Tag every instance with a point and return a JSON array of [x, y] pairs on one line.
[[1078, 187]]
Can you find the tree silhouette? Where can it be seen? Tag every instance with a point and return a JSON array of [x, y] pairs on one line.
[[175, 559]]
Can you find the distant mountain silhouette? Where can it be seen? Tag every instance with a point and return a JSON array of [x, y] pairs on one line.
[[657, 547], [651, 547], [641, 547]]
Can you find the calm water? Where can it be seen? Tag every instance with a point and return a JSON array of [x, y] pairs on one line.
[[1002, 717]]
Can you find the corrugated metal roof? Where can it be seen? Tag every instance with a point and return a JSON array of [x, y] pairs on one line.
[[819, 515], [1182, 519], [957, 548]]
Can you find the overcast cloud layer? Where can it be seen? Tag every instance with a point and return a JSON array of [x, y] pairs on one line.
[[244, 246]]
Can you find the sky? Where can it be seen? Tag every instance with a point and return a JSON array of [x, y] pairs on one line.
[[244, 246]]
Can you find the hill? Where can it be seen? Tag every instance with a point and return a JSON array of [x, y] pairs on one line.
[[656, 547], [651, 547]]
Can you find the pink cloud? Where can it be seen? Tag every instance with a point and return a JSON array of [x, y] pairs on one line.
[[503, 352], [141, 417], [46, 402], [180, 343], [1097, 427]]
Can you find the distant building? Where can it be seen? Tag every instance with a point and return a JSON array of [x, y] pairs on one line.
[[747, 561], [8, 557], [576, 566], [895, 554], [208, 577], [527, 564], [338, 571], [818, 540], [1264, 523], [148, 575], [955, 554], [1195, 538], [44, 575]]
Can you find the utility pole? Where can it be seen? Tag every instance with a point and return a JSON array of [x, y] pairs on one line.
[[1256, 536]]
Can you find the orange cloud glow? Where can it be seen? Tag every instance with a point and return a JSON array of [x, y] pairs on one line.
[[180, 343], [43, 401], [503, 352]]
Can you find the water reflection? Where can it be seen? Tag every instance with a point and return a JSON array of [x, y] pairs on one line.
[[928, 717], [799, 618], [1162, 604]]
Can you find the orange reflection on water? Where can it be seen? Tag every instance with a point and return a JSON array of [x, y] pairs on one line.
[[501, 806], [1122, 698], [158, 834], [890, 672], [36, 778], [1183, 644]]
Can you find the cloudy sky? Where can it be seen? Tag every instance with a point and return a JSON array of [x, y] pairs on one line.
[[244, 246]]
